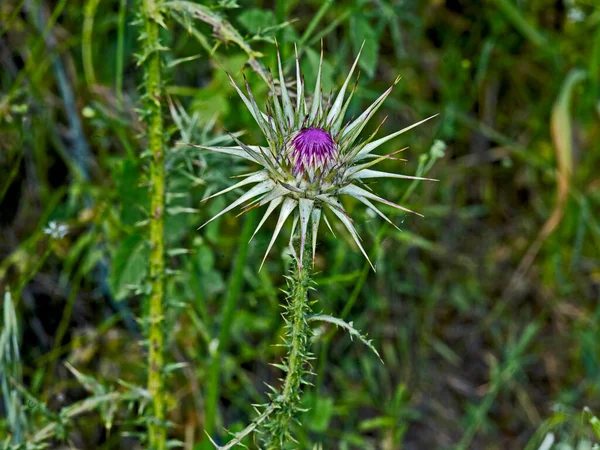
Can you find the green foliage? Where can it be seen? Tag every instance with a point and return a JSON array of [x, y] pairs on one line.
[[364, 34], [255, 20], [10, 375], [478, 353], [130, 266]]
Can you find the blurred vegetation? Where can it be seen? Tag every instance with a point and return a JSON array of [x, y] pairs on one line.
[[485, 313]]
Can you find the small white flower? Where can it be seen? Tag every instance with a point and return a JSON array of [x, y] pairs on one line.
[[311, 159], [438, 149], [576, 14], [56, 230]]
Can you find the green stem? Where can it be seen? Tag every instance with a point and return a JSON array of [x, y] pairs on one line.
[[314, 22], [86, 41], [156, 428], [288, 403], [298, 309], [514, 15]]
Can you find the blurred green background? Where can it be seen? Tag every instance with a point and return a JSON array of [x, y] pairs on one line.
[[485, 312]]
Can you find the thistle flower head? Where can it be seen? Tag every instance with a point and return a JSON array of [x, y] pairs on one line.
[[311, 157], [312, 151]]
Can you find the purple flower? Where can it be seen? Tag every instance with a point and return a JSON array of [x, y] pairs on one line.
[[312, 151]]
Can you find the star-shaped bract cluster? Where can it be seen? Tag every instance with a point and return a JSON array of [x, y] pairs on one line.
[[311, 158]]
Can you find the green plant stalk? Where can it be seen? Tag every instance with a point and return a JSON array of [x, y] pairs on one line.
[[297, 340], [299, 332], [86, 41], [11, 372], [314, 22], [518, 20], [11, 176], [156, 428]]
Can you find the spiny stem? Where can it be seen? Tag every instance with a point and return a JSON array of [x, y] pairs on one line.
[[156, 429], [285, 407], [298, 311], [297, 340]]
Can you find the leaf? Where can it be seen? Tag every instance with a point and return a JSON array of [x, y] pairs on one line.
[[362, 31], [256, 20], [127, 180], [174, 366], [593, 421], [239, 437], [88, 382], [562, 137], [321, 412], [349, 327], [206, 278], [228, 4], [129, 266], [376, 423]]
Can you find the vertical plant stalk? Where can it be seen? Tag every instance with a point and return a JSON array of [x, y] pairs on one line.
[[298, 333], [153, 94], [86, 41]]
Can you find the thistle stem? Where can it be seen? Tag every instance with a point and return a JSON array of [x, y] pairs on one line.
[[156, 429], [297, 341], [299, 334]]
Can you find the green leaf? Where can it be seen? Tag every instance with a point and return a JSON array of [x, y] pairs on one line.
[[255, 20], [129, 266], [320, 414], [377, 422], [349, 327], [362, 31], [207, 279], [593, 421], [132, 196], [174, 366], [228, 4]]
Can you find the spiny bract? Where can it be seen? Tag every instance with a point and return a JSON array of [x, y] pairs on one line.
[[311, 158]]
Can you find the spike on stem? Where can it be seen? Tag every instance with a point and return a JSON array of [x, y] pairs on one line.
[[298, 333], [153, 86]]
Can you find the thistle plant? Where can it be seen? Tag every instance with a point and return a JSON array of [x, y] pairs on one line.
[[310, 160]]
